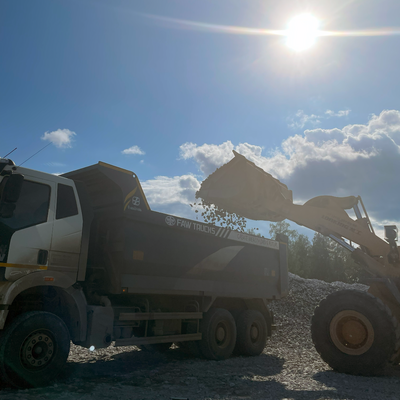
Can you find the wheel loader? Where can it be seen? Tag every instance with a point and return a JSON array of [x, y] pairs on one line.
[[355, 332]]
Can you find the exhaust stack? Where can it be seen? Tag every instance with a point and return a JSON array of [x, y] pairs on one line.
[[242, 188]]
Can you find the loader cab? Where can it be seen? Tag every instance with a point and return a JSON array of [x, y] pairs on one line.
[[391, 232]]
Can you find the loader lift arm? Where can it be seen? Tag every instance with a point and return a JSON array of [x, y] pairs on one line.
[[243, 188]]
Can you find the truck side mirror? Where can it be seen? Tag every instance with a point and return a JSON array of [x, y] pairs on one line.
[[10, 195]]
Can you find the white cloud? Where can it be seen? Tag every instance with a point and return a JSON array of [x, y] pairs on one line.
[[297, 151], [61, 138], [362, 159], [172, 195], [207, 156], [163, 190], [341, 113], [133, 150], [301, 119]]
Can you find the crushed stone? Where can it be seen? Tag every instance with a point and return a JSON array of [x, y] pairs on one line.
[[289, 367]]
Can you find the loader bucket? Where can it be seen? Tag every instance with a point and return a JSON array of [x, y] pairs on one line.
[[242, 188]]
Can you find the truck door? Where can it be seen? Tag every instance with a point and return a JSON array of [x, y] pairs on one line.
[[25, 238], [67, 231]]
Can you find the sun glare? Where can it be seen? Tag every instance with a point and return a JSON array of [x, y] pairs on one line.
[[302, 32]]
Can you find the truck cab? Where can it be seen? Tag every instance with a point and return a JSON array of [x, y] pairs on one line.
[[44, 231]]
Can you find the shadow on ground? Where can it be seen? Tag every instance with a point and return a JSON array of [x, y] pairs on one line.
[[175, 370]]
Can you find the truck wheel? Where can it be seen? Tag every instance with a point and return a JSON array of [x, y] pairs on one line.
[[354, 332], [252, 333], [34, 348], [219, 334]]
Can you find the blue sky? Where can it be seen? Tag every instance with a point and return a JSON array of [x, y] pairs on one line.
[[96, 78]]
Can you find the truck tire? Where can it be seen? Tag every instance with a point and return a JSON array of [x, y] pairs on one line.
[[354, 332], [218, 329], [252, 333], [33, 349]]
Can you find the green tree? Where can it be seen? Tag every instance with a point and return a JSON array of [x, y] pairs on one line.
[[345, 268], [320, 259], [332, 262], [283, 227], [300, 259], [252, 231]]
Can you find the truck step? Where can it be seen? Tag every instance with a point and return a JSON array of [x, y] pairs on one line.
[[158, 316], [157, 339]]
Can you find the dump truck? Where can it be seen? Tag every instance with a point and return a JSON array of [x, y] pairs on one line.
[[83, 258], [355, 332]]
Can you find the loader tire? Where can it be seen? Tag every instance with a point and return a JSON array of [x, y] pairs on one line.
[[354, 332], [34, 349], [252, 333], [218, 330]]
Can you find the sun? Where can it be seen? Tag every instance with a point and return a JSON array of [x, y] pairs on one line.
[[302, 32]]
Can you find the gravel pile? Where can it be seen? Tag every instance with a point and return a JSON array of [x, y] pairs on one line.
[[289, 368]]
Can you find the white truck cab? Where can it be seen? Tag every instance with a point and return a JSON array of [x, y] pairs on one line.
[[44, 231]]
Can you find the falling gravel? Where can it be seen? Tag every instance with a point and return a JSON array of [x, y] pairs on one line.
[[289, 367]]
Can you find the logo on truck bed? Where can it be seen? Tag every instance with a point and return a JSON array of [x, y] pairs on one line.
[[170, 220], [225, 233], [135, 201], [132, 202]]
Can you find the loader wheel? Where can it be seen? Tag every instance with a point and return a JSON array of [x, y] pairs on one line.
[[219, 334], [252, 333], [354, 332], [33, 350]]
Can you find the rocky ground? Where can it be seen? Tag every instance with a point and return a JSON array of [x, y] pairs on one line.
[[289, 368]]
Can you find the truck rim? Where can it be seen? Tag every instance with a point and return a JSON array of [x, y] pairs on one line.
[[37, 350], [222, 335], [254, 333], [351, 332]]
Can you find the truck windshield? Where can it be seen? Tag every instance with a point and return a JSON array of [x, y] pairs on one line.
[[32, 206]]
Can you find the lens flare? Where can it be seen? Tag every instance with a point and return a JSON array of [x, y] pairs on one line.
[[302, 32], [309, 33]]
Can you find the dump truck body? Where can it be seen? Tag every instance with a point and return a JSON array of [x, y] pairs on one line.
[[83, 256], [142, 251], [148, 255]]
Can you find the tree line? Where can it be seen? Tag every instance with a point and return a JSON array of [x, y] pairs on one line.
[[321, 258]]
